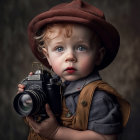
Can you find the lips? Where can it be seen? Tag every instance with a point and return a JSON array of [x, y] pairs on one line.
[[70, 70]]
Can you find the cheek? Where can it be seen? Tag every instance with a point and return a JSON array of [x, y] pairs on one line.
[[56, 66], [87, 64]]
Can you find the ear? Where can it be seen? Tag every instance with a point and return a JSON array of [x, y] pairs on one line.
[[45, 52], [100, 56]]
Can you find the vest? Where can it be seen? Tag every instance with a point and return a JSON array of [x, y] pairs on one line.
[[79, 121]]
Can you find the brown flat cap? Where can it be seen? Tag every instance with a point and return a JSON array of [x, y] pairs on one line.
[[79, 12]]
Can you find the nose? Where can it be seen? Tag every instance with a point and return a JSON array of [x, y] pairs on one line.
[[70, 57]]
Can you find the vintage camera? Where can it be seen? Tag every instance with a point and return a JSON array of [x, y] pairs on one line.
[[40, 88]]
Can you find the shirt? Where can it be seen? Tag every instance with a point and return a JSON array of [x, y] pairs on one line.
[[105, 115]]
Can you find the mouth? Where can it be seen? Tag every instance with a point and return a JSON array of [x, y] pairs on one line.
[[70, 70]]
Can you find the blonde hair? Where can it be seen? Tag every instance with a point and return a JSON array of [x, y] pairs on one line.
[[52, 31]]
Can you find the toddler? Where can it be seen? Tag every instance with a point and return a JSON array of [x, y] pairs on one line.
[[75, 41]]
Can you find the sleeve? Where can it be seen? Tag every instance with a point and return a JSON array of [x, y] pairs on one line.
[[105, 116]]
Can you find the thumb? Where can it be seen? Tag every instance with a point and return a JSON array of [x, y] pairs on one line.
[[49, 111]]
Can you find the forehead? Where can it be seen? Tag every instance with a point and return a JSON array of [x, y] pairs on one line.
[[81, 32], [77, 29], [70, 31]]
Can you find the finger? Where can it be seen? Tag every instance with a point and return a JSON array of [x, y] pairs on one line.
[[31, 73], [21, 86], [49, 111], [20, 90]]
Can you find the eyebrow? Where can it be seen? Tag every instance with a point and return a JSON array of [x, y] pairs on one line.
[[83, 41], [59, 42]]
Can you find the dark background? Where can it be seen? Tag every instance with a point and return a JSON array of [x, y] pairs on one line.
[[16, 58]]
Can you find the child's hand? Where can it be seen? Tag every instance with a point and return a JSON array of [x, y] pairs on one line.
[[21, 86], [46, 128]]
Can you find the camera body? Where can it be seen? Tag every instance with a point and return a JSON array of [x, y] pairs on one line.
[[40, 88]]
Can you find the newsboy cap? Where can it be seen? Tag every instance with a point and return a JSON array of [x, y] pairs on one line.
[[78, 12]]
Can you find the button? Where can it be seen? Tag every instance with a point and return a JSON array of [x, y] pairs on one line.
[[68, 115], [84, 103]]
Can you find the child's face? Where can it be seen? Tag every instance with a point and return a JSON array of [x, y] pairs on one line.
[[73, 57]]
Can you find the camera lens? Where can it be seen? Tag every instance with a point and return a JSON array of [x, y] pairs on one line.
[[29, 102], [25, 103]]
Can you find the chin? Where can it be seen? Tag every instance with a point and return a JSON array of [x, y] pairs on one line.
[[71, 78]]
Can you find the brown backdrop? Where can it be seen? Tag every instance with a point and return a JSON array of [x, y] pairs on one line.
[[16, 58]]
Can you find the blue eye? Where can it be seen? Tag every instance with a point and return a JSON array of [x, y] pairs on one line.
[[81, 48], [60, 49]]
